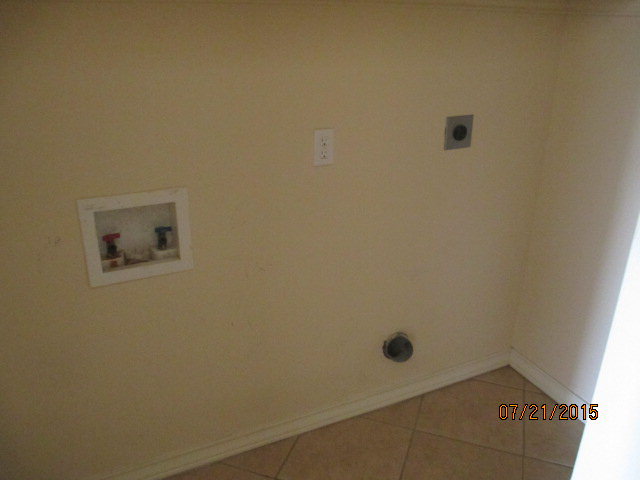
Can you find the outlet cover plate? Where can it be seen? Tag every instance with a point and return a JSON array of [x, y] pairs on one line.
[[323, 147], [457, 133]]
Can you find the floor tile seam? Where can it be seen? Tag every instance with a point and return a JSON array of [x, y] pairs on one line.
[[413, 434], [384, 422], [244, 469], [415, 423], [295, 442], [520, 389], [548, 461], [406, 455], [472, 443]]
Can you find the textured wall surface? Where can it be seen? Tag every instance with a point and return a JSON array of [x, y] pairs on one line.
[[301, 272]]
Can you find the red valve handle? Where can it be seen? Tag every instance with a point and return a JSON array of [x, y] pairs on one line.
[[110, 237]]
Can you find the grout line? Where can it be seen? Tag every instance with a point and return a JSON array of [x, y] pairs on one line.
[[244, 469], [364, 417], [415, 424], [413, 434], [524, 435], [521, 389], [549, 461], [236, 467], [406, 455], [287, 457], [493, 383], [470, 443]]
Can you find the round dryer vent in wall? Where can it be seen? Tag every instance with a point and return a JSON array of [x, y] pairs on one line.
[[398, 347]]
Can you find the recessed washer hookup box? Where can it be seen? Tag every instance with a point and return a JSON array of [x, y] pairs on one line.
[[137, 235]]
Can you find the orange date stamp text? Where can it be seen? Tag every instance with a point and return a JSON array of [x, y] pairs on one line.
[[543, 411]]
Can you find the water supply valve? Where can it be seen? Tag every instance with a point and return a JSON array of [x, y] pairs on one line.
[[162, 236], [112, 248]]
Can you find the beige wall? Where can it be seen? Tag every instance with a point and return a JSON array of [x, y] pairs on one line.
[[588, 202], [301, 272]]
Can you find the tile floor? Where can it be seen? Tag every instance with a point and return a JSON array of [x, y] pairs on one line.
[[450, 434]]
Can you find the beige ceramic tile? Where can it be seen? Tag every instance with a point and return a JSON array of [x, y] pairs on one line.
[[438, 458], [403, 414], [530, 387], [539, 470], [265, 460], [355, 449], [217, 471], [469, 411], [505, 376], [554, 440]]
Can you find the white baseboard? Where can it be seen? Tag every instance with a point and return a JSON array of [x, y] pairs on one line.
[[366, 403], [541, 379]]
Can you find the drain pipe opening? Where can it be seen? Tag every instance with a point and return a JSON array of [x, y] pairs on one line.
[[398, 347]]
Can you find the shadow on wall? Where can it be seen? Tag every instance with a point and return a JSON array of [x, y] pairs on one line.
[[621, 154], [588, 202]]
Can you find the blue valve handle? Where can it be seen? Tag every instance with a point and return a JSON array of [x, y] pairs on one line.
[[162, 236]]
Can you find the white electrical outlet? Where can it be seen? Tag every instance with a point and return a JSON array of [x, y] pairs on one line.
[[323, 147]]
